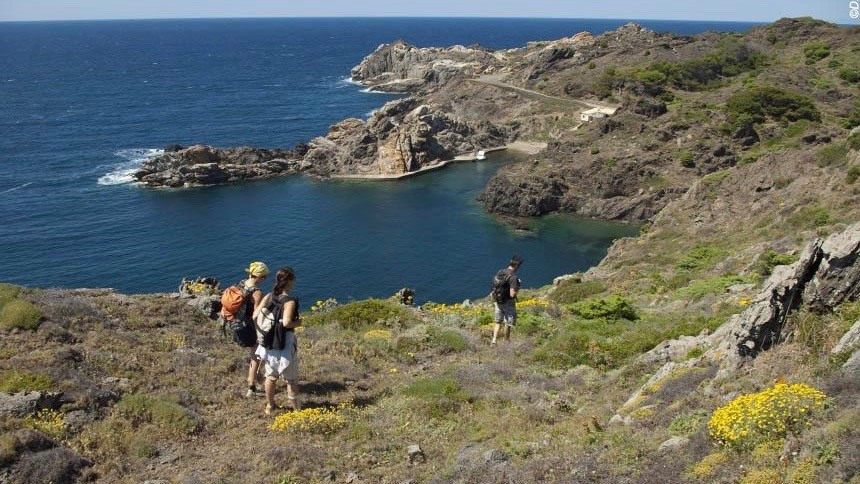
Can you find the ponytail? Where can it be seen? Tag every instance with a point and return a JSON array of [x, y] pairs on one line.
[[285, 276]]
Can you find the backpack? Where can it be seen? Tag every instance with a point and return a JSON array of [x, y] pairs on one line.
[[234, 307], [268, 322], [502, 286]]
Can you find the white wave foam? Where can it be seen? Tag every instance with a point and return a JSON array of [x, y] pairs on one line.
[[348, 81], [371, 112], [122, 172], [370, 90], [16, 188]]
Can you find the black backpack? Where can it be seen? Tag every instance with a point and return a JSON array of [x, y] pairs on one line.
[[502, 286], [269, 324]]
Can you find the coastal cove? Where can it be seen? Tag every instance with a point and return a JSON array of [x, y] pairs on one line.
[[348, 239], [89, 101]]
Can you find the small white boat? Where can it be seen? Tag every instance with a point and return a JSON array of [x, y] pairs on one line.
[[482, 155]]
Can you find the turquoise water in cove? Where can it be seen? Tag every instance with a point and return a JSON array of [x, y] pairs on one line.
[[83, 103]]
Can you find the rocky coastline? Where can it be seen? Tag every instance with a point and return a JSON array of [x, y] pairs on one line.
[[668, 127]]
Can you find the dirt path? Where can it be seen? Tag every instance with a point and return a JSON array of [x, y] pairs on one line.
[[495, 80]]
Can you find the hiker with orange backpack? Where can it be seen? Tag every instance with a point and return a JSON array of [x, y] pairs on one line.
[[238, 304]]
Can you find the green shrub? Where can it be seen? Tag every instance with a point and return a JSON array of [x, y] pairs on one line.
[[563, 350], [853, 119], [573, 290], [752, 106], [531, 324], [854, 141], [686, 159], [714, 285], [700, 257], [614, 306], [20, 314], [770, 258], [729, 59], [853, 175], [832, 154], [595, 150], [688, 423], [362, 314], [592, 65], [815, 51], [14, 381], [850, 74], [447, 340], [442, 395], [811, 217], [158, 411], [8, 291]]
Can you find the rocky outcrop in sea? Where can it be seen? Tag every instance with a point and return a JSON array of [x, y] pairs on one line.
[[200, 165]]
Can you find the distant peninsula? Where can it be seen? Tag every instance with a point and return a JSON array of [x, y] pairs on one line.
[[619, 124]]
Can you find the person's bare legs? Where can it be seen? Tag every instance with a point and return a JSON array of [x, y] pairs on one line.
[[253, 367], [270, 393], [293, 395], [507, 333], [496, 329]]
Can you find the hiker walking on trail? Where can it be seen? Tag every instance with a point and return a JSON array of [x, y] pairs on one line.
[[506, 285], [238, 304], [276, 320]]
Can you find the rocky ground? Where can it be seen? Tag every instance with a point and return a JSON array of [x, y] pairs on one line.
[[598, 385]]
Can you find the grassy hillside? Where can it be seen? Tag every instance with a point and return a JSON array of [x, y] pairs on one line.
[[150, 391]]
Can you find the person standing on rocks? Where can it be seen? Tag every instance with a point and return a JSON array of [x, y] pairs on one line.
[[506, 285]]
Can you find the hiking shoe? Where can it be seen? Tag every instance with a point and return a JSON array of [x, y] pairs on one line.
[[253, 392]]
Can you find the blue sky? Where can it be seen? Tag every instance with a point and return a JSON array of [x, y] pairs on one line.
[[749, 10]]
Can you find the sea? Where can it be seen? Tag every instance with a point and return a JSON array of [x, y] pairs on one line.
[[83, 103]]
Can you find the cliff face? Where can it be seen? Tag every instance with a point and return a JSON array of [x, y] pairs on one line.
[[402, 67], [401, 137]]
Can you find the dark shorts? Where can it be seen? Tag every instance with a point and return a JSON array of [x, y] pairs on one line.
[[506, 313]]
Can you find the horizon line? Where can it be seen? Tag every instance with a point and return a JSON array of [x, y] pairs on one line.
[[633, 19]]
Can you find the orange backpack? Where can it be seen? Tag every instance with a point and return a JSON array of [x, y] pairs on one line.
[[232, 302]]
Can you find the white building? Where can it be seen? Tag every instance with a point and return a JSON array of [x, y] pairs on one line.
[[595, 113]]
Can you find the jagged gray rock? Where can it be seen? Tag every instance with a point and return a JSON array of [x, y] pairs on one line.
[[853, 364], [838, 275], [402, 137], [26, 403], [403, 67], [205, 165], [849, 340]]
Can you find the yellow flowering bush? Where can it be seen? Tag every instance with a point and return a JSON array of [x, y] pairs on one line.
[[766, 415], [377, 334], [324, 305], [532, 303], [460, 310], [49, 422], [317, 420]]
